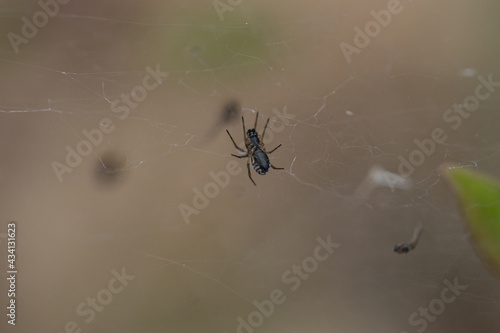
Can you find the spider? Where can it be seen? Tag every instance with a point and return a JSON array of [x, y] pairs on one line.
[[255, 149]]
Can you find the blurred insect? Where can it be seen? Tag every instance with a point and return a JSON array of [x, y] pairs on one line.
[[407, 247], [255, 149], [111, 166], [229, 113]]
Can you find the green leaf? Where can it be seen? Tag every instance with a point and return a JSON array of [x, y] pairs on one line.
[[479, 196]]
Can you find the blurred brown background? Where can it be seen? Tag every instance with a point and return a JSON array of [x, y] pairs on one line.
[[120, 207]]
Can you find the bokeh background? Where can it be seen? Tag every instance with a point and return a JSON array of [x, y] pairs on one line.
[[120, 207]]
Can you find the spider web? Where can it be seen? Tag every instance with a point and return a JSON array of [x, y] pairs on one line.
[[201, 262]]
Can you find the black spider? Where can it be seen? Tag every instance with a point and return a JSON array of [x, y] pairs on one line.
[[255, 149]]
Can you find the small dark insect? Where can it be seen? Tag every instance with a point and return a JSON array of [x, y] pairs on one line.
[[255, 149], [407, 247]]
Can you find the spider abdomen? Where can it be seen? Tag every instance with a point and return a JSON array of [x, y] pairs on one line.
[[260, 161]]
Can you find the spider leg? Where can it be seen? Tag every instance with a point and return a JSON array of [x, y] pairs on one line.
[[276, 168], [243, 123], [246, 155], [264, 131], [234, 143], [274, 149], [249, 174], [256, 117]]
